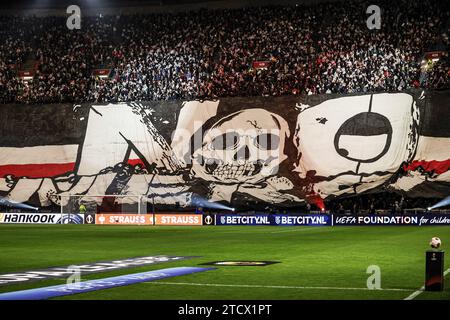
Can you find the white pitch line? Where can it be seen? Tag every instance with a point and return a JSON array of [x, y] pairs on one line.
[[246, 231], [415, 294], [270, 287], [422, 289], [294, 230]]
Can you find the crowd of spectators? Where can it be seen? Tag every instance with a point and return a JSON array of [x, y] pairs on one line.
[[325, 48], [386, 202], [439, 78]]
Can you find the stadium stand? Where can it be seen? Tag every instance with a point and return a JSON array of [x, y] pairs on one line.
[[256, 51]]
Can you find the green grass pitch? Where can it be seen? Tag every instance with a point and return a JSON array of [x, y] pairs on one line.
[[316, 262]]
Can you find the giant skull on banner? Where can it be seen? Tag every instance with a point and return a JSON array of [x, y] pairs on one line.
[[243, 147]]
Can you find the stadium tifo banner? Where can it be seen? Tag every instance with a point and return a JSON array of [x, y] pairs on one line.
[[41, 218], [416, 220], [277, 220], [237, 151]]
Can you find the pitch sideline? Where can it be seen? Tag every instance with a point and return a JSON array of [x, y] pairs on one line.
[[422, 289], [271, 287]]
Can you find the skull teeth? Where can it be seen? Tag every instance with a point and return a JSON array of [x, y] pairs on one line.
[[228, 171]]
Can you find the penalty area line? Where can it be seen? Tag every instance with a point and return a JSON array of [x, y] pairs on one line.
[[269, 287], [422, 289]]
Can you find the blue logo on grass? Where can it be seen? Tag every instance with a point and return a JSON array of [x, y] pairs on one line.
[[99, 284]]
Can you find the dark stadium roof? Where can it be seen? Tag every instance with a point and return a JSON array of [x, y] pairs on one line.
[[103, 4], [45, 4]]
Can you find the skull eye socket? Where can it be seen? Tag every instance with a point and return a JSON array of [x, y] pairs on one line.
[[226, 141], [267, 141]]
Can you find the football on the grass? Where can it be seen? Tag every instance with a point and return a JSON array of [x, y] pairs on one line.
[[435, 242]]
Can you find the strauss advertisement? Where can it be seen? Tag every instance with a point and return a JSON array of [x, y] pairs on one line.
[[124, 218], [178, 219], [168, 219]]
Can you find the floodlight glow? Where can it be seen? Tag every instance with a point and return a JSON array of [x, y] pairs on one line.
[[204, 203], [13, 204], [442, 203]]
